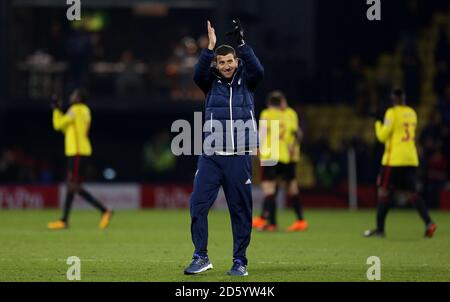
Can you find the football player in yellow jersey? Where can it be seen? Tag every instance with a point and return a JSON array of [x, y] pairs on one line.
[[75, 126], [287, 159], [399, 164]]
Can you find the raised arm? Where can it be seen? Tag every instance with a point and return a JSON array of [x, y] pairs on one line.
[[202, 73], [383, 131], [253, 67], [61, 120]]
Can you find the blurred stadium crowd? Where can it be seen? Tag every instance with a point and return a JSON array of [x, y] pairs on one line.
[[137, 63]]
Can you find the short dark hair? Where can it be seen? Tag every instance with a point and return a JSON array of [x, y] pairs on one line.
[[275, 97], [224, 50], [83, 95], [398, 95]]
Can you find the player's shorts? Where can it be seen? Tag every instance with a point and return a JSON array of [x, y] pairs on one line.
[[284, 171], [398, 178], [77, 168]]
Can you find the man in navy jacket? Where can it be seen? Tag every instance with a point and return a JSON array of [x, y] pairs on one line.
[[230, 137]]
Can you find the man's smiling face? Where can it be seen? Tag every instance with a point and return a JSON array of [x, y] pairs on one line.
[[227, 65]]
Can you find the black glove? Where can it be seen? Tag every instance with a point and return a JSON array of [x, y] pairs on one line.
[[377, 115], [237, 32], [56, 102]]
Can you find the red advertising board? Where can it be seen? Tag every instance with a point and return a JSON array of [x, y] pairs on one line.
[[135, 196], [28, 197], [445, 200], [165, 196]]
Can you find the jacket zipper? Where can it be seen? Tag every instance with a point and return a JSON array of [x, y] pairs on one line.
[[231, 116], [231, 111], [211, 122], [253, 120]]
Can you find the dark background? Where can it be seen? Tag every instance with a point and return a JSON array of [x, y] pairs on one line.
[[320, 52]]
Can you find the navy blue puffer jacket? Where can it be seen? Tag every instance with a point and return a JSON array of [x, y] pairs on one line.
[[229, 108]]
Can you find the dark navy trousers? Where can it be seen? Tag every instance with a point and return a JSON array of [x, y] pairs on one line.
[[234, 174]]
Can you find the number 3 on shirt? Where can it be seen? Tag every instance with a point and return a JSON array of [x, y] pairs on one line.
[[407, 136]]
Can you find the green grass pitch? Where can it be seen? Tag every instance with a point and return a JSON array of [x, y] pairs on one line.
[[155, 245]]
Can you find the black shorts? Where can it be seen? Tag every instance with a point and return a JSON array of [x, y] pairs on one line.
[[76, 168], [398, 178], [285, 171]]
